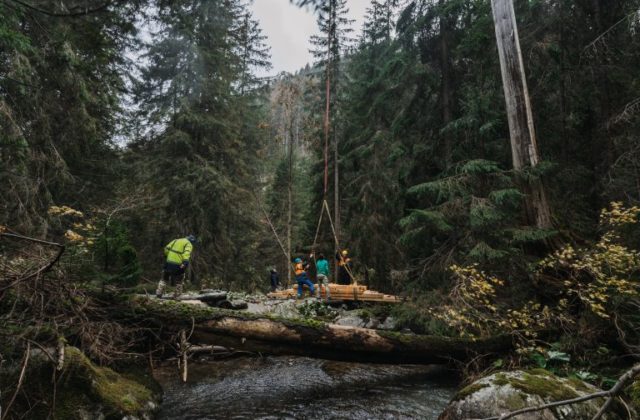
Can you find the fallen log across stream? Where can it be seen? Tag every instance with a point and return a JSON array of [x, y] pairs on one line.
[[271, 335]]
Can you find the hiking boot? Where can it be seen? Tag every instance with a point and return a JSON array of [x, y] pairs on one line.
[[160, 289], [177, 292]]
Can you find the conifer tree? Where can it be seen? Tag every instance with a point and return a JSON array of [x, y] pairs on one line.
[[328, 48], [61, 81], [371, 157], [201, 156]]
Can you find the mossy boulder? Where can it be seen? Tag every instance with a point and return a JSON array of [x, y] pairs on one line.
[[504, 392], [87, 391], [634, 394]]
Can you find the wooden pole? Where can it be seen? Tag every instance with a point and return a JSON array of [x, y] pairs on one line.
[[290, 195], [524, 148]]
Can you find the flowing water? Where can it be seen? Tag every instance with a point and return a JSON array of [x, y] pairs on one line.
[[304, 388]]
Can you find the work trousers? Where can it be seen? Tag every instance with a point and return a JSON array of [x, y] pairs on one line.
[[274, 283], [304, 280], [323, 280], [173, 275], [343, 275]]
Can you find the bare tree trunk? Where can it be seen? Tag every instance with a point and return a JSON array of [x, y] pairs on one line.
[[336, 186], [524, 150], [290, 205], [445, 27]]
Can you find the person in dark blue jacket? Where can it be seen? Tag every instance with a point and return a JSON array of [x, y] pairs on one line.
[[275, 279]]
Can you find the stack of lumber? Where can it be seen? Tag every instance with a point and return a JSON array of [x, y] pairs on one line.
[[341, 292]]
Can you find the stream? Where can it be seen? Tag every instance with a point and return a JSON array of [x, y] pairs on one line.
[[304, 388]]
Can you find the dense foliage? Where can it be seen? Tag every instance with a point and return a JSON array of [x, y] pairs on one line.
[[148, 118]]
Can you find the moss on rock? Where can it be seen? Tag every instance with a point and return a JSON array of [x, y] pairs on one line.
[[634, 394], [504, 392], [86, 387], [500, 379], [515, 401], [468, 390], [544, 386]]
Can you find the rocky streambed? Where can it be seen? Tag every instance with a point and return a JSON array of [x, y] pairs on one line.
[[309, 308], [300, 387]]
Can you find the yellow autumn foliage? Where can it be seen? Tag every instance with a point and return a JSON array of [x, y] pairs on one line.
[[598, 274], [64, 211], [474, 308], [595, 275]]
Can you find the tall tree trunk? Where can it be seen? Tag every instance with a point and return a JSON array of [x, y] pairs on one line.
[[524, 150], [336, 186], [445, 28], [290, 203]]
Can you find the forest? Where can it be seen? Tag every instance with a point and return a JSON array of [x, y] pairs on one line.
[[494, 197]]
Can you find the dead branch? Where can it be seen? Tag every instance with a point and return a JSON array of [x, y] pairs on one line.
[[610, 394], [182, 360], [617, 388], [41, 270], [25, 362]]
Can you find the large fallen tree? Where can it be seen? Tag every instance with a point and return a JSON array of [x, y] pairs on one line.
[[272, 335]]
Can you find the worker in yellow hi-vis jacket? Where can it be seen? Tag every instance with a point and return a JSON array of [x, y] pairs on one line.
[[178, 254]]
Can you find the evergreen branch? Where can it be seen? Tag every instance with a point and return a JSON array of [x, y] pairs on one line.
[[55, 14], [611, 28]]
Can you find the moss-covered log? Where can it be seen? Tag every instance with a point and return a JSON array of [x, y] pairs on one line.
[[259, 333]]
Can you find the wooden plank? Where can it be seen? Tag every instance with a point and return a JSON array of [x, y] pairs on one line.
[[341, 292]]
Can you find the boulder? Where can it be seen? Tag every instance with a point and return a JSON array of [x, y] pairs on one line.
[[388, 324], [239, 304], [83, 389], [350, 319], [209, 298], [232, 304], [504, 392], [194, 302], [286, 309]]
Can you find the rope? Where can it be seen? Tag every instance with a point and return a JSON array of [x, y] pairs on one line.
[[273, 229], [335, 237], [315, 239], [327, 111]]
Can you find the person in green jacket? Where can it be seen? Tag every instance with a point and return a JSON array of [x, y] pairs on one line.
[[178, 255], [322, 274]]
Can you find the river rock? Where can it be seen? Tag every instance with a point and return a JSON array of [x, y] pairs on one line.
[[239, 304], [505, 392], [388, 324], [232, 304], [286, 309], [194, 302], [350, 319], [210, 298], [373, 323]]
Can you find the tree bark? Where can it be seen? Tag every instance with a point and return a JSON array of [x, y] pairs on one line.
[[524, 149], [248, 332], [445, 28], [290, 204]]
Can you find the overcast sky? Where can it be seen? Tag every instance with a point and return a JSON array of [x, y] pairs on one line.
[[289, 27]]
